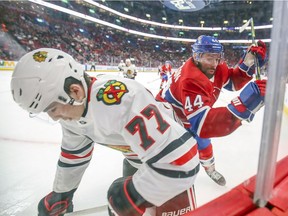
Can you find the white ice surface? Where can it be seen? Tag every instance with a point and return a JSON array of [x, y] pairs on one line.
[[30, 149]]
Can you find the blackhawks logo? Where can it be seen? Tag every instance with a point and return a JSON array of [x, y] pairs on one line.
[[40, 56], [129, 72], [112, 93]]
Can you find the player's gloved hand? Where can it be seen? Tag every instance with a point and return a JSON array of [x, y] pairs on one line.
[[247, 62], [123, 199], [250, 100], [56, 204]]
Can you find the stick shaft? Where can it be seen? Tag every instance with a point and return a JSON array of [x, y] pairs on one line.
[[89, 211], [258, 77]]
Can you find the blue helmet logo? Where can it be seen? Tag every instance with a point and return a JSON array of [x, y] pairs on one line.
[[207, 44]]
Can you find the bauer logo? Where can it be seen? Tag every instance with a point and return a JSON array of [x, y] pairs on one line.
[[112, 93], [177, 212], [40, 56]]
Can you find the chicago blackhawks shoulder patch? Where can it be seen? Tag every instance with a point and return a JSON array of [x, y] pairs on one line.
[[112, 93]]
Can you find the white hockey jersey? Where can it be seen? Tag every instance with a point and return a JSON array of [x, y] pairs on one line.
[[123, 115], [121, 65], [129, 71]]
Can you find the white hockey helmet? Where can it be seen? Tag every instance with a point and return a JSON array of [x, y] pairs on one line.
[[128, 61], [39, 77]]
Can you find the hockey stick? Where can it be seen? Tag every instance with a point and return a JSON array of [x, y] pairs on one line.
[[242, 28], [153, 80], [258, 77], [89, 211]]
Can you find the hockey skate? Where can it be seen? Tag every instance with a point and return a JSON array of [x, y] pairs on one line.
[[215, 175]]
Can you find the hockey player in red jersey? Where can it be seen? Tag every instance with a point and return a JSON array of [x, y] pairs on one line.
[[112, 111], [196, 86], [165, 72]]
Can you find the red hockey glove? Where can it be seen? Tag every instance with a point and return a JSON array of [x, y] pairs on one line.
[[56, 204], [247, 62], [259, 50]]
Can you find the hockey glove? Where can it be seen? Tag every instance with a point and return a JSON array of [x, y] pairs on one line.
[[124, 200], [56, 204], [247, 63], [250, 100]]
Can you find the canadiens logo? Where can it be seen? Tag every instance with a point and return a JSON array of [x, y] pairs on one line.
[[40, 56], [112, 93]]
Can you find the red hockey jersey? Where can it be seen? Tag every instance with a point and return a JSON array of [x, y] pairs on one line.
[[192, 96], [166, 70]]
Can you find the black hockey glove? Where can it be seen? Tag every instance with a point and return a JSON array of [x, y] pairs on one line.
[[56, 204], [124, 200]]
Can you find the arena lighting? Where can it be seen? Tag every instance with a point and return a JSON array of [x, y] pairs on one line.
[[39, 20], [148, 21], [91, 11], [95, 20], [202, 22], [161, 24]]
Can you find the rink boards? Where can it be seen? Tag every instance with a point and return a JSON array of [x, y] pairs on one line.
[[30, 148]]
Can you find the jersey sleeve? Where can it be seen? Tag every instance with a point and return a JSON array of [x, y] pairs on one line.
[[235, 78], [76, 153], [218, 122]]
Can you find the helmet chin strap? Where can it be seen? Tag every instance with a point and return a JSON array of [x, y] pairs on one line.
[[76, 103]]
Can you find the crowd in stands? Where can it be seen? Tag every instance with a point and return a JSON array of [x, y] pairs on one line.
[[234, 13], [213, 14], [27, 26]]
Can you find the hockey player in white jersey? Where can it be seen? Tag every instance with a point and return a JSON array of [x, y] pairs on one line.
[[129, 70], [121, 65], [112, 111]]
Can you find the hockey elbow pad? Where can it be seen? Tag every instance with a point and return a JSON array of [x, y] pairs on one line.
[[56, 204], [250, 100]]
